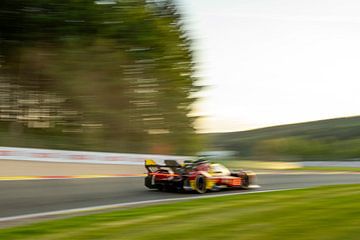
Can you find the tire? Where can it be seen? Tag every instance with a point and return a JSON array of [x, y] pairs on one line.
[[148, 182], [200, 184], [245, 180]]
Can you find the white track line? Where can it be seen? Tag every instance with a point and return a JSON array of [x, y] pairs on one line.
[[118, 205]]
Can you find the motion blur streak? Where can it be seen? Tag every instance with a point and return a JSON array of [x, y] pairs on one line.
[[32, 197], [95, 208], [96, 75]]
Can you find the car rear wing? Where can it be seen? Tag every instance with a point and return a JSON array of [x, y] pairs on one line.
[[152, 166]]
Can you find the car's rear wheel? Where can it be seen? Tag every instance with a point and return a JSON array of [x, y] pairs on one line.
[[200, 184]]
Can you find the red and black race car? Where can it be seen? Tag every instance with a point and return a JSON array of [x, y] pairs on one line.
[[199, 176]]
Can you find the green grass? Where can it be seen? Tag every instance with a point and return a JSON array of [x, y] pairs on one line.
[[331, 212], [269, 165], [264, 165], [341, 169]]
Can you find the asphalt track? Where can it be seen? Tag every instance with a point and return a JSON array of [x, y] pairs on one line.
[[38, 196]]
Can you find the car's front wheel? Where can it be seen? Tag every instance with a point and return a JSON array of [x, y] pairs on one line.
[[200, 183], [245, 181]]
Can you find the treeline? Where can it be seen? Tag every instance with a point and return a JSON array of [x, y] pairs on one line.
[[334, 139], [96, 75]]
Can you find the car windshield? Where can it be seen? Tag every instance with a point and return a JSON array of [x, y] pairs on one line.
[[219, 169]]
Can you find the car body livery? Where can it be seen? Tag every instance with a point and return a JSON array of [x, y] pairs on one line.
[[199, 176]]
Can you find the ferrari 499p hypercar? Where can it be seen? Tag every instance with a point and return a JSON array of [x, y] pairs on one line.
[[200, 176]]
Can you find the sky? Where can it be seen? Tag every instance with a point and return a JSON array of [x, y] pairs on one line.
[[273, 62]]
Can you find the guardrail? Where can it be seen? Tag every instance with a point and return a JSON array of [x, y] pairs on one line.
[[65, 156]]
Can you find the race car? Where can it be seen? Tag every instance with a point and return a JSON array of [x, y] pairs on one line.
[[198, 176]]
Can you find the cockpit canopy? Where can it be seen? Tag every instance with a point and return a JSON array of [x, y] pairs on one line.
[[219, 169]]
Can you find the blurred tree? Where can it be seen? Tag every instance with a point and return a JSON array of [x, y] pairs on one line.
[[114, 75]]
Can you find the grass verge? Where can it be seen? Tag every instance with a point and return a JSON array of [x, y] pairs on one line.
[[330, 212], [262, 165], [337, 169], [265, 165]]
